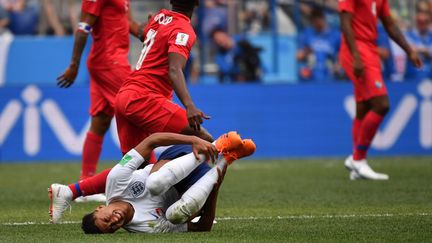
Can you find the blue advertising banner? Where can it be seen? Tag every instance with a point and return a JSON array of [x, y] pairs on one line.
[[309, 120], [45, 59]]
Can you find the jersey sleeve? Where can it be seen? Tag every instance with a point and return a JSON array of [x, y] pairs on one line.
[[346, 6], [127, 165], [385, 9], [181, 41], [92, 6]]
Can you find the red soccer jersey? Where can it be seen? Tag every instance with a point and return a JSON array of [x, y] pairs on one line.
[[167, 32], [365, 17], [110, 33]]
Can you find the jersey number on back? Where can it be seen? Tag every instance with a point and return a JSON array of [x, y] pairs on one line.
[[148, 43]]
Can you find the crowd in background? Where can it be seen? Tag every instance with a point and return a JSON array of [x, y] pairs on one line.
[[319, 40], [225, 27], [39, 17]]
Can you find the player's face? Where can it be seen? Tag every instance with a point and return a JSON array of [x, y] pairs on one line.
[[223, 40], [319, 23], [422, 21], [109, 219]]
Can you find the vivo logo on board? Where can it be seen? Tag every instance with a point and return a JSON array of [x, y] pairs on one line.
[[403, 112], [71, 140]]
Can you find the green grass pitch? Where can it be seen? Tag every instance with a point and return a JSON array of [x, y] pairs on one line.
[[260, 201]]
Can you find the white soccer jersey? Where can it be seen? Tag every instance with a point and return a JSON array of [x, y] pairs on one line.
[[126, 183]]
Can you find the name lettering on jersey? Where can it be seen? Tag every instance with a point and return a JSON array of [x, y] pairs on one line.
[[136, 189], [162, 19], [182, 39]]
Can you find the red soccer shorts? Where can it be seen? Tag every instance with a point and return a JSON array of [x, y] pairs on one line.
[[140, 114], [371, 84], [104, 85]]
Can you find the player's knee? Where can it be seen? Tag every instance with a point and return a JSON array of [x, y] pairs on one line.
[[182, 210], [175, 214], [204, 134], [100, 124], [207, 136], [382, 108], [155, 184]]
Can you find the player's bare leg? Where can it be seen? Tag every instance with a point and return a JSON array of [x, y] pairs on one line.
[[369, 115], [202, 133]]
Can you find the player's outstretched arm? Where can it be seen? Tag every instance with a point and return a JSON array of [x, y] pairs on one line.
[[348, 33], [396, 35], [84, 28], [175, 71], [199, 146]]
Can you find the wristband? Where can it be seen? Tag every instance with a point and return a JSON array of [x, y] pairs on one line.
[[84, 27]]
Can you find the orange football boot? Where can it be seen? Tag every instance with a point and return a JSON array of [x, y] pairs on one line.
[[246, 149], [228, 141]]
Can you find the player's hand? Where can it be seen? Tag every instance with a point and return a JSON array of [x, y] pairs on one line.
[[195, 117], [200, 146], [358, 67], [415, 59], [68, 77]]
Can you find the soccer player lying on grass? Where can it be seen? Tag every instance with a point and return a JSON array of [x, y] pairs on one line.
[[148, 200]]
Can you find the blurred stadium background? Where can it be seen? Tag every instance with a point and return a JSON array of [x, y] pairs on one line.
[[267, 69]]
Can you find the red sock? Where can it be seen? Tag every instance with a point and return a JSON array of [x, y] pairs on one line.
[[366, 133], [91, 152], [153, 159], [91, 185], [355, 131]]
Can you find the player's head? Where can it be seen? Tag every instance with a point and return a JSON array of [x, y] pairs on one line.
[[105, 219], [318, 19], [222, 39], [184, 5], [88, 224], [422, 21]]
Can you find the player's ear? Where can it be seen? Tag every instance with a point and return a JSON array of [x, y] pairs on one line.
[[99, 208]]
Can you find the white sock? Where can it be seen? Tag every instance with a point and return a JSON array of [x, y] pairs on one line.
[[171, 173], [194, 198]]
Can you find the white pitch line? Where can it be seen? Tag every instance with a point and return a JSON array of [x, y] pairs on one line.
[[328, 216], [37, 223]]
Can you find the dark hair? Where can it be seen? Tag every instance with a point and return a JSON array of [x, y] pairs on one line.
[[422, 7], [317, 13], [216, 30], [88, 224], [185, 5]]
